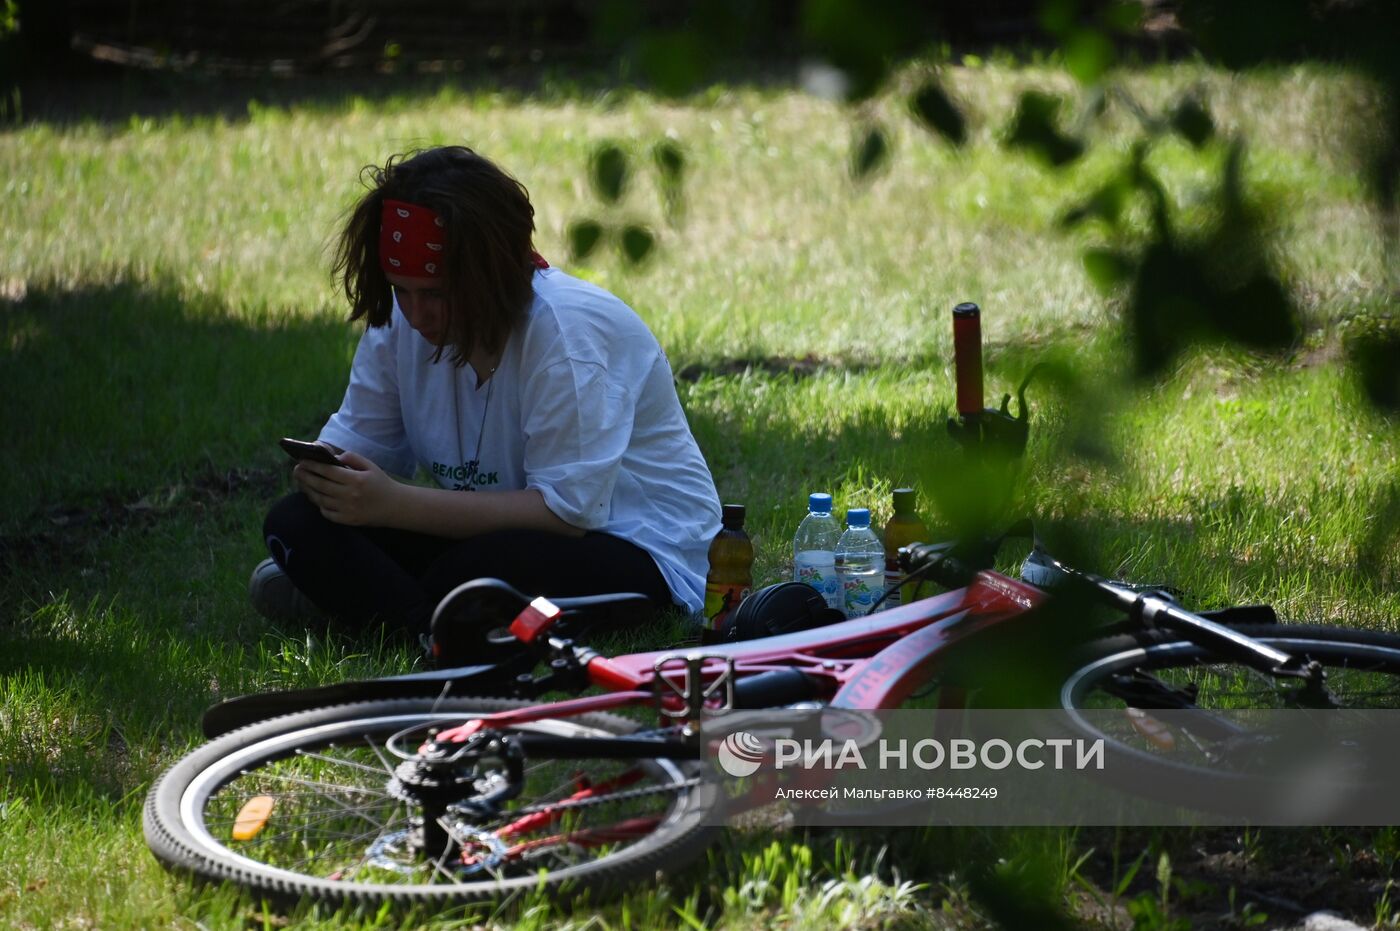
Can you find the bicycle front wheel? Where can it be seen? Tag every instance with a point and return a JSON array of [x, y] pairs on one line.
[[1154, 670], [307, 806]]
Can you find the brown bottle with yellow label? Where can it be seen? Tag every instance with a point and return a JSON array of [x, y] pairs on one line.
[[904, 528], [731, 568]]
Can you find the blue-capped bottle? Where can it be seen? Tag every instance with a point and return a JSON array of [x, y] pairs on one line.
[[860, 564], [814, 550]]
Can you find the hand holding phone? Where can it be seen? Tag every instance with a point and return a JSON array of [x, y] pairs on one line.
[[356, 492], [309, 452]]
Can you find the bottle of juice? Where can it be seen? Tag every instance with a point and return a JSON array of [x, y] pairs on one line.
[[904, 528], [731, 567]]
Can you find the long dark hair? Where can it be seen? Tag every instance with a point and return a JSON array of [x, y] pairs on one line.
[[488, 262]]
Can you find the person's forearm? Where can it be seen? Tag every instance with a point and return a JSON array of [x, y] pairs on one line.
[[457, 514]]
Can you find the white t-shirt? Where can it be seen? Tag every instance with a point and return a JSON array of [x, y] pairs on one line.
[[582, 407]]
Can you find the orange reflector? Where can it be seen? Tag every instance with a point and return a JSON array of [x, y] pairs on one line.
[[1151, 729], [252, 817]]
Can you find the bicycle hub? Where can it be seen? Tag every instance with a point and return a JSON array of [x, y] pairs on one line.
[[473, 777]]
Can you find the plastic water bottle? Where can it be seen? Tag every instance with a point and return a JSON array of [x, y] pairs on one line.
[[814, 550], [860, 562]]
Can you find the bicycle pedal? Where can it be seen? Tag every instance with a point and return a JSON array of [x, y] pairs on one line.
[[695, 694]]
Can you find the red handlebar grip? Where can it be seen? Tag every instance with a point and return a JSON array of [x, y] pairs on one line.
[[967, 357]]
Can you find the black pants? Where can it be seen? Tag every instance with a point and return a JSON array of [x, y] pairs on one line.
[[363, 574]]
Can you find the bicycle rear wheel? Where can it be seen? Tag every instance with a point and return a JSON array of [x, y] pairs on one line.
[[306, 806]]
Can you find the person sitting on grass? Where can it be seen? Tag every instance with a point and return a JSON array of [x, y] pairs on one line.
[[541, 407]]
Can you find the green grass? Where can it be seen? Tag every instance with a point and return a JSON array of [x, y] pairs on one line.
[[165, 314]]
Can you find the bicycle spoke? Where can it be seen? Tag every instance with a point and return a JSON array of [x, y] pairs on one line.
[[333, 786], [314, 856], [282, 799], [341, 806], [306, 754], [379, 754], [303, 825]]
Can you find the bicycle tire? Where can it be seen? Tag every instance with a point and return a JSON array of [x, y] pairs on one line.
[[190, 803], [1357, 661]]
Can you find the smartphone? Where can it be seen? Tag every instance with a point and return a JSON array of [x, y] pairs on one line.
[[312, 452]]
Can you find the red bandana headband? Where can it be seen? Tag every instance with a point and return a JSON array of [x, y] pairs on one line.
[[411, 241]]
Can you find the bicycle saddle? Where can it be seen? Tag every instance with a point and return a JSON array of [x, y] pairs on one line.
[[470, 624]]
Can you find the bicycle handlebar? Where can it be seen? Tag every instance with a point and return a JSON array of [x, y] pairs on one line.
[[967, 358], [954, 565]]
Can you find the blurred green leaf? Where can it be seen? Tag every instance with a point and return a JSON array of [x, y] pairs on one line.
[[1033, 128], [675, 62], [637, 243], [871, 153], [936, 111], [584, 236], [1192, 121], [609, 172], [1088, 54], [9, 17], [1107, 268]]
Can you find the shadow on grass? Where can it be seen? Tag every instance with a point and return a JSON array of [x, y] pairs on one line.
[[115, 391], [94, 701]]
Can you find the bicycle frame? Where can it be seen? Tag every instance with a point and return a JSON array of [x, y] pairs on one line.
[[866, 663], [871, 663]]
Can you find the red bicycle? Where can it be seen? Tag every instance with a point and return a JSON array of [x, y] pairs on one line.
[[418, 790]]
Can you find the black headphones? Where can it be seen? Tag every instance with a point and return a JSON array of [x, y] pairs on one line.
[[779, 609]]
